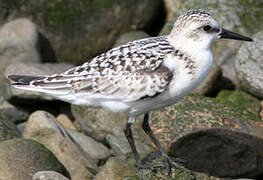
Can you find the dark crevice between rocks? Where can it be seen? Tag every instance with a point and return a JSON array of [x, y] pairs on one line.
[[158, 21], [54, 107], [47, 53]]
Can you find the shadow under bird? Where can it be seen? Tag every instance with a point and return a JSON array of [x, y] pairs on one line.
[[140, 76]]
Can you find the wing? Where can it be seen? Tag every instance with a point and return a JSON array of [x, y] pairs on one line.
[[129, 72]]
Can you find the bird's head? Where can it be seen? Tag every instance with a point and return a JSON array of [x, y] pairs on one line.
[[198, 27]]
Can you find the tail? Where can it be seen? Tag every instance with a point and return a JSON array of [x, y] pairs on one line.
[[23, 80], [45, 84]]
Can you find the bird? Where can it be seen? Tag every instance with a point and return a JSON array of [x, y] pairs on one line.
[[140, 76]]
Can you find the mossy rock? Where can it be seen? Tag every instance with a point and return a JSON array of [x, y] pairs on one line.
[[78, 30], [198, 112]]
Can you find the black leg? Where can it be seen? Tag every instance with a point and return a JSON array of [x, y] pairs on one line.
[[168, 160], [140, 164], [128, 134]]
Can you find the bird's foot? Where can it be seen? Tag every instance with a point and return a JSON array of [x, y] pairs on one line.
[[169, 162]]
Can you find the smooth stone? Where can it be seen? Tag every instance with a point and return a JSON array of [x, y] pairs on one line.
[[18, 44], [248, 66], [66, 122], [49, 175], [221, 152], [44, 128], [22, 158], [94, 149]]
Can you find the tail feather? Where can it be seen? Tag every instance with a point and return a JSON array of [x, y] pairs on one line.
[[23, 79]]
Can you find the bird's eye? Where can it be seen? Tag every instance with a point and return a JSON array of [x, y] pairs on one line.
[[207, 28]]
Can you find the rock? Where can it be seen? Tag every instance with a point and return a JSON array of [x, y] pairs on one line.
[[8, 129], [66, 122], [107, 126], [120, 146], [233, 14], [21, 158], [78, 30], [196, 112], [44, 128], [94, 149], [13, 94], [241, 100], [249, 68], [18, 44], [48, 175], [12, 113], [208, 86], [130, 36], [116, 169], [221, 153]]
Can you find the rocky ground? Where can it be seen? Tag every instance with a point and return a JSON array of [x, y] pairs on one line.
[[218, 129]]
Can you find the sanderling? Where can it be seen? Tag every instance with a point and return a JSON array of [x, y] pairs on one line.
[[140, 76]]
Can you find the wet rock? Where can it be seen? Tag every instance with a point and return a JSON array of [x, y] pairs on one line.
[[12, 113], [78, 30], [249, 68], [21, 158], [94, 149], [48, 175], [130, 36], [15, 95], [115, 169], [221, 152], [18, 44], [44, 128]]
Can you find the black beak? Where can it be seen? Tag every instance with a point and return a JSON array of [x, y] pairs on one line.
[[231, 35]]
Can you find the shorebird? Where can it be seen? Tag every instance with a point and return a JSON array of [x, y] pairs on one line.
[[140, 76]]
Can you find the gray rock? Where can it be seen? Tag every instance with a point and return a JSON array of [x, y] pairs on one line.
[[130, 36], [103, 125], [49, 175], [120, 146], [233, 14], [22, 158], [79, 30], [8, 129], [44, 128], [12, 113], [18, 44], [116, 168], [249, 66], [94, 149], [11, 93], [221, 152], [196, 112]]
